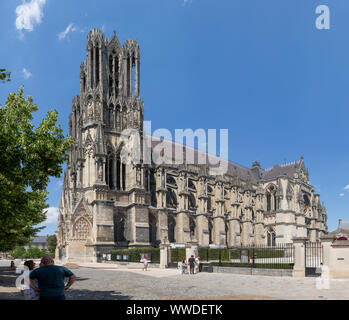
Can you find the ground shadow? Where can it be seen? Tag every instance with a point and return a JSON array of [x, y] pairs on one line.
[[7, 277], [77, 294]]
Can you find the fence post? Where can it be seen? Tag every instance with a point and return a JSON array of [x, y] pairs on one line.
[[164, 255], [191, 248], [299, 256], [326, 241]]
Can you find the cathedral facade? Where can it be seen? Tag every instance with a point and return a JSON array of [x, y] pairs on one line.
[[109, 203]]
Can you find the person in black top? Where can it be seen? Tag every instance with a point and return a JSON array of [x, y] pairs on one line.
[[191, 262], [51, 280]]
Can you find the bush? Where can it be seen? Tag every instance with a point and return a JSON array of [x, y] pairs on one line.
[[177, 254], [18, 253], [31, 253]]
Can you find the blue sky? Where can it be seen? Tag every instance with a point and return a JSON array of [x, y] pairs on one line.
[[257, 67]]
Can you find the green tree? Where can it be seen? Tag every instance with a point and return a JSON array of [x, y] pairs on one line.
[[5, 76], [29, 156], [35, 253], [51, 243]]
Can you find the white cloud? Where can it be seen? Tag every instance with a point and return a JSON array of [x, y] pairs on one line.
[[346, 187], [68, 29], [187, 2], [26, 73], [52, 215], [28, 14], [341, 194]]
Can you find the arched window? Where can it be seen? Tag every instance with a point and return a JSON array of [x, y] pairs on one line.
[[191, 184], [118, 117], [171, 199], [129, 74], [210, 232], [152, 230], [123, 176], [192, 227], [271, 238], [97, 66], [110, 171], [118, 172], [116, 76], [209, 204], [91, 67], [171, 181], [271, 198], [133, 61], [192, 202], [268, 202], [153, 188]]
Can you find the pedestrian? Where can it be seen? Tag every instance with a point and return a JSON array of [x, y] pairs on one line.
[[145, 264], [29, 293], [12, 266], [197, 263], [191, 262], [51, 280], [184, 266]]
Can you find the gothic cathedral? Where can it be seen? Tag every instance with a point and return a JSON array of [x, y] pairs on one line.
[[107, 203]]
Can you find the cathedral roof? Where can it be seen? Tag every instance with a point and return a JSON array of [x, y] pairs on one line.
[[277, 170], [254, 174]]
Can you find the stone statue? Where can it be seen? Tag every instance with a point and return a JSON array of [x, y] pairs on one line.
[[90, 109], [100, 171]]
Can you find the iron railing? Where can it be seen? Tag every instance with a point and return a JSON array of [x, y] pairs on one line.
[[280, 256]]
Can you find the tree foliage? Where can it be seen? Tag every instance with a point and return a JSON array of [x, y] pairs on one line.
[[51, 243], [30, 253], [5, 76], [29, 156]]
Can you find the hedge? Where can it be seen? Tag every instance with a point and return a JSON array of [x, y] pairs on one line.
[[177, 254], [134, 254], [227, 254], [213, 254], [260, 253], [256, 265]]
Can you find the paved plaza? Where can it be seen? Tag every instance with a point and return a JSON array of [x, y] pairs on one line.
[[120, 283]]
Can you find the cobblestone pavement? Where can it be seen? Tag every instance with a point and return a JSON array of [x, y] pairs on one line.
[[169, 284]]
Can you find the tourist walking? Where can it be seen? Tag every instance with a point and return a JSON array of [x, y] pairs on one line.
[[29, 293], [191, 262], [197, 263], [51, 280]]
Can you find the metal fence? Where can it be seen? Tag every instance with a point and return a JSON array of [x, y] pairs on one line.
[[313, 258], [280, 256]]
